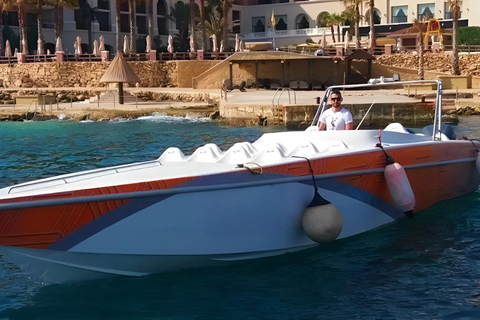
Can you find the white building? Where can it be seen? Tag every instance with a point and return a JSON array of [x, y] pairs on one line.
[[296, 20], [104, 25]]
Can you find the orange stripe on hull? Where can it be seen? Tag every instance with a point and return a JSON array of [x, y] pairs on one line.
[[41, 227]]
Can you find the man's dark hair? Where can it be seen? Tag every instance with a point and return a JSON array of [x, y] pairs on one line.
[[337, 92]]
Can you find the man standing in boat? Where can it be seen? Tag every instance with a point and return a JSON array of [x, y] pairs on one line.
[[337, 117]]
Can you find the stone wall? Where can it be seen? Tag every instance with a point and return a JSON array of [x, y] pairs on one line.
[[434, 62], [436, 65], [187, 70], [83, 74]]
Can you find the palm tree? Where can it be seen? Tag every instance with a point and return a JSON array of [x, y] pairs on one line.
[[337, 20], [2, 49], [329, 22], [214, 26], [421, 67], [202, 24], [455, 9], [132, 23], [355, 6], [180, 13], [40, 25], [149, 5], [192, 25], [117, 25], [22, 21], [371, 3], [226, 6], [133, 36], [348, 15], [58, 6], [87, 14]]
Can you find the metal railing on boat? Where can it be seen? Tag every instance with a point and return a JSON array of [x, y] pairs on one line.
[[383, 82]]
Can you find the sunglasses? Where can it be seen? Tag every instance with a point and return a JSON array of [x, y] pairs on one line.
[[335, 99]]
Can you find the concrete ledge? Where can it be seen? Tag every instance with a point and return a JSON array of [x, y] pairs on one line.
[[413, 88], [26, 100], [456, 82]]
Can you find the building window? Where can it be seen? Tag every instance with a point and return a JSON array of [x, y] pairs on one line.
[[102, 13], [377, 16], [281, 23], [236, 21], [124, 23], [103, 18], [399, 14], [258, 24], [104, 4], [302, 22], [141, 18], [321, 19], [448, 12], [426, 11], [162, 17]]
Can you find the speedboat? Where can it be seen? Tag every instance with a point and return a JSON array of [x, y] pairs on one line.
[[285, 192]]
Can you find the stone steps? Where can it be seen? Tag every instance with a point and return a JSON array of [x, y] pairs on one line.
[[112, 96]]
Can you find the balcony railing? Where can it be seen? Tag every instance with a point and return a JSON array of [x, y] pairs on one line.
[[288, 33]]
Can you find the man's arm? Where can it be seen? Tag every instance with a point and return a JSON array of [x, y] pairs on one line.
[[349, 126], [321, 126]]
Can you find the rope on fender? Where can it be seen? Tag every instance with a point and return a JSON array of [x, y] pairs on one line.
[[311, 172], [251, 170], [388, 159], [317, 199]]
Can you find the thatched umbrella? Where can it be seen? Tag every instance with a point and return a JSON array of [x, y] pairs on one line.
[[119, 71]]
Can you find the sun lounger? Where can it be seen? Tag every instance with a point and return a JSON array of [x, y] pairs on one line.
[[275, 84], [303, 85], [293, 85]]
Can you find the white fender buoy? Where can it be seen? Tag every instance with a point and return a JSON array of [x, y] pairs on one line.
[[399, 187], [322, 223]]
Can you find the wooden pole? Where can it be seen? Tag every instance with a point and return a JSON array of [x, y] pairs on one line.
[[120, 92]]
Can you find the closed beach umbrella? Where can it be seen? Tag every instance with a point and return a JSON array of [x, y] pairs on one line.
[[96, 50], [170, 44], [78, 47], [347, 40], [149, 43], [222, 47], [192, 49], [126, 45], [58, 45], [119, 72], [39, 46], [101, 46], [237, 43], [8, 49], [214, 41]]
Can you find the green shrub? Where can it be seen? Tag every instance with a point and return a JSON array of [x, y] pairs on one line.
[[469, 35]]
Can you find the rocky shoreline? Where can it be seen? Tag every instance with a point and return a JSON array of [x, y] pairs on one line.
[[108, 115]]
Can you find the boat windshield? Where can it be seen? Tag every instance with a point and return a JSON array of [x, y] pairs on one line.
[[382, 84]]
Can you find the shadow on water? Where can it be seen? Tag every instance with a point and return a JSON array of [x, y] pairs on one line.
[[426, 267]]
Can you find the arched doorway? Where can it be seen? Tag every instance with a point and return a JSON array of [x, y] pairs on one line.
[[302, 22], [320, 19], [377, 16]]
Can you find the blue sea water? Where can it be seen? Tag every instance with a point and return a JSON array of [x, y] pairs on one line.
[[422, 268]]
